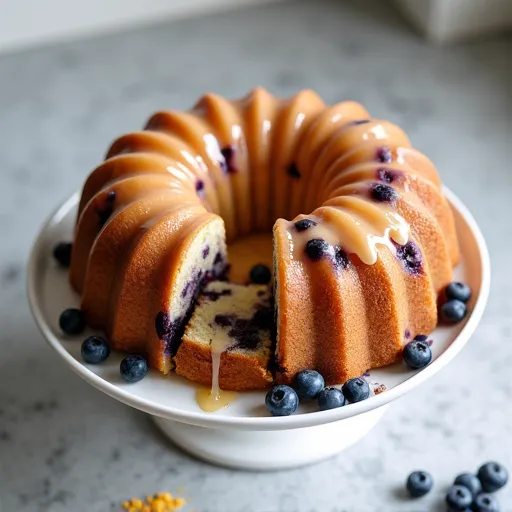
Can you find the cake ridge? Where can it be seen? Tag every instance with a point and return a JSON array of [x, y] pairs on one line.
[[372, 210]]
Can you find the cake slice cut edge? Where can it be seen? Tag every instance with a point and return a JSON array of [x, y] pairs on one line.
[[237, 320]]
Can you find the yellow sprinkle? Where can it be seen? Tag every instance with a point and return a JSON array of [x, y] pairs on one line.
[[160, 502]]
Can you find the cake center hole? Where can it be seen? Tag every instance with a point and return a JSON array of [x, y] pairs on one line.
[[247, 251]]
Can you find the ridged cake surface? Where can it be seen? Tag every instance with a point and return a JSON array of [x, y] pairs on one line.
[[368, 244]]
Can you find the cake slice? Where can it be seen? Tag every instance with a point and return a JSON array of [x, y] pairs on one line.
[[229, 338]]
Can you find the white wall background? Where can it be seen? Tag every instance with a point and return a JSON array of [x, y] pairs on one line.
[[28, 22], [450, 20]]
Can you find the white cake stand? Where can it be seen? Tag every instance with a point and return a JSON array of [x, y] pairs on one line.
[[244, 435]]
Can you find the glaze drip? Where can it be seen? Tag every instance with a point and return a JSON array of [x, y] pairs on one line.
[[354, 224]]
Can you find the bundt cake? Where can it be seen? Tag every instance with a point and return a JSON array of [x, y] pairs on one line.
[[356, 271]]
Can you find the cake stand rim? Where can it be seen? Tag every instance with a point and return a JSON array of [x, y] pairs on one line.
[[264, 423]]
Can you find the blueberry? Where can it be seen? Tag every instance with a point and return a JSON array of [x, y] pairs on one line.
[[317, 248], [330, 398], [95, 350], [388, 175], [260, 274], [309, 383], [419, 483], [470, 481], [383, 193], [107, 210], [384, 155], [293, 171], [341, 258], [458, 291], [228, 165], [302, 225], [411, 257], [421, 337], [224, 320], [493, 476], [485, 503], [458, 498], [72, 321], [281, 400], [453, 311], [417, 354], [62, 254], [133, 368], [356, 390]]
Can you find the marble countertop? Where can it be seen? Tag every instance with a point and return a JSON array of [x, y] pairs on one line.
[[63, 445]]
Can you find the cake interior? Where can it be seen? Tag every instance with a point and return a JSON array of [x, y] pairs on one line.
[[234, 318], [203, 261]]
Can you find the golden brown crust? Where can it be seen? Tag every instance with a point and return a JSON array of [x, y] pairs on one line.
[[166, 287]]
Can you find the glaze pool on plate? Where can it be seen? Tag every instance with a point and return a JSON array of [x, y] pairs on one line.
[[172, 397]]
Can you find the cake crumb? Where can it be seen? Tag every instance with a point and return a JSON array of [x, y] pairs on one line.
[[379, 388], [160, 502]]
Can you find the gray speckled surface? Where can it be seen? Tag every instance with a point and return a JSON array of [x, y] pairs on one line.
[[65, 446]]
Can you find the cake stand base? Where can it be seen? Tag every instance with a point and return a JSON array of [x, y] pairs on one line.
[[269, 450]]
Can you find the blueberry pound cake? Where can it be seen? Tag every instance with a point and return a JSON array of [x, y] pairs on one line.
[[229, 338], [363, 237]]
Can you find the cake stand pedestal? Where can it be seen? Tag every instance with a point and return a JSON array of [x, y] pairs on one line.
[[269, 450]]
